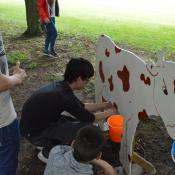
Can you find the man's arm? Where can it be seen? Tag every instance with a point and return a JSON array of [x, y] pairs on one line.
[[7, 82], [104, 115], [93, 107], [107, 168]]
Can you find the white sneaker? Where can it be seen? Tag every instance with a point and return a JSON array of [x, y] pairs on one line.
[[41, 157]]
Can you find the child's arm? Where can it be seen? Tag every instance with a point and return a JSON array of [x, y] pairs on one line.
[[107, 168]]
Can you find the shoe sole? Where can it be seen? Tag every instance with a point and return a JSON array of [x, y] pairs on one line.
[[45, 54], [53, 56], [42, 158]]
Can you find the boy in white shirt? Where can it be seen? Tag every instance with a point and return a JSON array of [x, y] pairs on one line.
[[9, 130]]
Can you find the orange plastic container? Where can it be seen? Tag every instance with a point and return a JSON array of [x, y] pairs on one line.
[[115, 123]]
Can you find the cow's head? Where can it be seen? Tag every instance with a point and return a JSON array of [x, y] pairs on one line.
[[164, 91]]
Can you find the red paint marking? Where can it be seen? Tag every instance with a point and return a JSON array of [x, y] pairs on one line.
[[102, 76], [147, 80], [142, 77], [111, 85], [124, 76], [174, 86], [117, 50], [143, 115], [107, 53]]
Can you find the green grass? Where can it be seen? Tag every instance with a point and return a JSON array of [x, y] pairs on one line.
[[15, 56], [148, 36]]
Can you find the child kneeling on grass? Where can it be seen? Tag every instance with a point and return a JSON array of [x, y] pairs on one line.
[[78, 158]]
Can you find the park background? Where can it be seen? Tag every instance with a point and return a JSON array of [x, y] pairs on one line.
[[142, 26]]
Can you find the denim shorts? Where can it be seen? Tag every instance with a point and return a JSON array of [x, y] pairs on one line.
[[9, 148]]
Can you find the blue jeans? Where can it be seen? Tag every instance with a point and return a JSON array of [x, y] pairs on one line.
[[9, 148], [51, 35]]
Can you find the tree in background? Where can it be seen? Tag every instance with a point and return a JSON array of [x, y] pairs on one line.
[[33, 27]]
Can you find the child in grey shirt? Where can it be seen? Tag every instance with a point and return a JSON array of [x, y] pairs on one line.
[[78, 158]]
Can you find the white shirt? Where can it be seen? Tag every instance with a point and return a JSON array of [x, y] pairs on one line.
[[7, 111], [51, 9]]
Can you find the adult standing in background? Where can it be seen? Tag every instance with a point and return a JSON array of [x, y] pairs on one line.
[[48, 9], [9, 130]]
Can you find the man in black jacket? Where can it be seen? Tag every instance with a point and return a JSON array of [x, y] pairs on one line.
[[42, 122]]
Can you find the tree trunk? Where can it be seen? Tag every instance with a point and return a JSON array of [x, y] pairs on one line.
[[33, 28]]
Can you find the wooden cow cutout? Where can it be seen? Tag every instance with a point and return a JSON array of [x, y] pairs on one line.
[[136, 88]]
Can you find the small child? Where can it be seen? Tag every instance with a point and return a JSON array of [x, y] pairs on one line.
[[78, 158]]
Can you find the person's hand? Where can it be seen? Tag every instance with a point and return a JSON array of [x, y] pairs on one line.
[[18, 72], [108, 104], [47, 21], [113, 110]]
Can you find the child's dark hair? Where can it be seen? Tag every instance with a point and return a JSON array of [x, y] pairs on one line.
[[78, 67], [88, 143]]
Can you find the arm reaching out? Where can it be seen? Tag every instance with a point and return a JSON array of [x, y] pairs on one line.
[[7, 82], [93, 107], [107, 168], [104, 115]]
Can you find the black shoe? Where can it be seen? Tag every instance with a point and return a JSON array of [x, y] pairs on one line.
[[53, 54]]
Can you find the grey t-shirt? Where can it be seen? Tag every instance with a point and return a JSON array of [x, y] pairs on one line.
[[62, 162], [7, 111]]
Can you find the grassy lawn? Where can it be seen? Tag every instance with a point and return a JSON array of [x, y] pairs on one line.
[[132, 31]]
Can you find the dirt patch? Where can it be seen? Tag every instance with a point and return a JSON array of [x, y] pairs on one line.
[[152, 140]]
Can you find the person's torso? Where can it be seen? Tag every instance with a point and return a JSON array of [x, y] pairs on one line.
[[7, 111], [61, 161], [44, 107]]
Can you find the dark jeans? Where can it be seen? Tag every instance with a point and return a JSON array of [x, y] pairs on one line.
[[9, 148], [61, 132], [51, 35]]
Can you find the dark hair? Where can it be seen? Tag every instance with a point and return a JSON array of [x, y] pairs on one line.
[[78, 67], [88, 143]]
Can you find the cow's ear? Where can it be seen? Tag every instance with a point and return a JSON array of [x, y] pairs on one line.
[[161, 58]]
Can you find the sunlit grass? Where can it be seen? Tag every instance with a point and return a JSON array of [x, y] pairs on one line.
[[128, 30]]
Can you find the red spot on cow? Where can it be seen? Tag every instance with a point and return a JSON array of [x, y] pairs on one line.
[[142, 77], [117, 50], [124, 76], [147, 80], [129, 158], [107, 53], [111, 85], [103, 99], [102, 76], [143, 115], [164, 88]]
